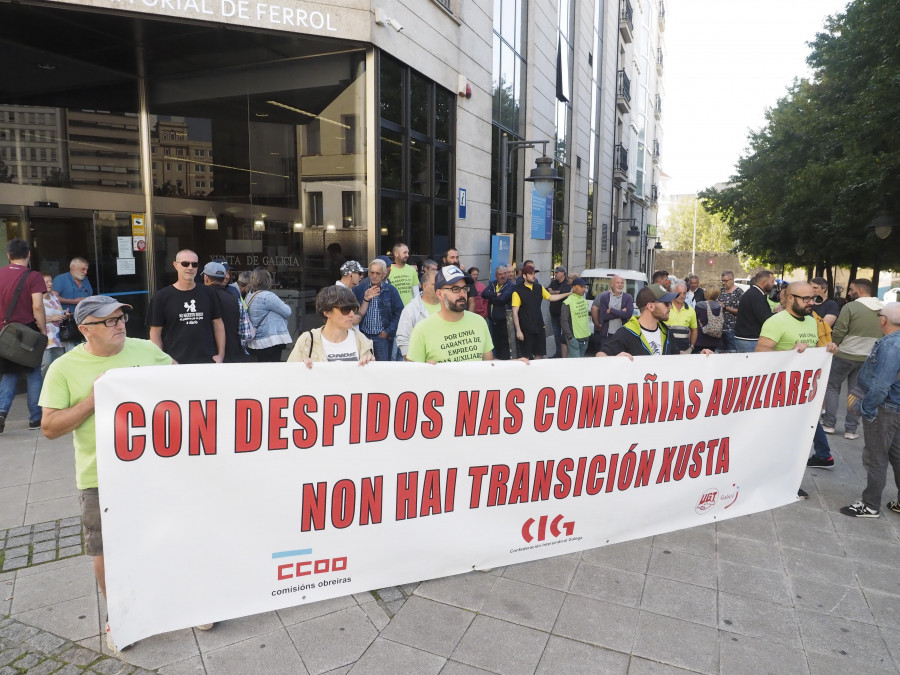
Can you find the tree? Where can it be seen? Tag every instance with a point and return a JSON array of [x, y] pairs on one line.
[[712, 232]]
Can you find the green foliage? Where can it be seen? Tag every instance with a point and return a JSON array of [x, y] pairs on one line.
[[828, 158], [712, 232]]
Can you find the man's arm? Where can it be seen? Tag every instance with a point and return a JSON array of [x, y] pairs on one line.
[[627, 310], [840, 327], [765, 344], [56, 422], [515, 312], [219, 334], [595, 314], [156, 336], [565, 320], [879, 386], [37, 308], [693, 336]]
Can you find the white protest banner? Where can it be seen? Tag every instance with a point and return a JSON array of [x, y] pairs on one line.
[[231, 490]]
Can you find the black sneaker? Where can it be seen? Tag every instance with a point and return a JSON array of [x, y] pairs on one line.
[[802, 494], [894, 506], [859, 510], [817, 463], [2, 423], [34, 425]]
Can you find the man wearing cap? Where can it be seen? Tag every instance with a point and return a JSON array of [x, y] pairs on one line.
[[380, 307], [68, 402], [559, 290], [184, 318], [576, 319], [215, 278], [351, 274], [527, 316], [453, 333], [499, 296], [403, 276], [230, 281], [646, 334]]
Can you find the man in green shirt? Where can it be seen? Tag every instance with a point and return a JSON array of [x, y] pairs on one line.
[[453, 334], [575, 318], [403, 277]]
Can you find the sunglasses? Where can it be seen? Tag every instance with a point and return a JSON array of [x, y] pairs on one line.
[[111, 322], [346, 310], [185, 263]]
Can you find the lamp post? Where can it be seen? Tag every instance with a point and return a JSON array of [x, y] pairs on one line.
[[543, 176]]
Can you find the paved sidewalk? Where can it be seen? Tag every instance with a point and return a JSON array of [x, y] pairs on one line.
[[802, 589]]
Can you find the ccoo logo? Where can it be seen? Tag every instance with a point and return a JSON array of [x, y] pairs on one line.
[[567, 528]]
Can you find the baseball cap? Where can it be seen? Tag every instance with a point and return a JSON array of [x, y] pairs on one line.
[[578, 281], [224, 263], [561, 269], [214, 270], [654, 293], [529, 269], [350, 267], [385, 260], [450, 275], [100, 306]]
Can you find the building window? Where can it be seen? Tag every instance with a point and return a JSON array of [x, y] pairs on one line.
[[350, 205], [348, 140], [314, 209]]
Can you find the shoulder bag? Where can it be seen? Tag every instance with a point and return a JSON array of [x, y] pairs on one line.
[[20, 343]]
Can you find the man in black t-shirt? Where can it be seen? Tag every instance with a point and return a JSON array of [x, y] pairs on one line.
[[559, 289], [215, 276], [184, 318], [828, 310]]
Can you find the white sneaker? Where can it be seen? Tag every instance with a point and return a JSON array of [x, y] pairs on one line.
[[827, 430], [205, 626], [110, 644], [851, 435]]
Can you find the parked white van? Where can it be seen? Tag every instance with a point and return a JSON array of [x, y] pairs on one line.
[[598, 281]]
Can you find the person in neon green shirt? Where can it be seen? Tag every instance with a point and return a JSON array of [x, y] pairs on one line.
[[453, 334], [403, 277], [682, 314], [575, 318]]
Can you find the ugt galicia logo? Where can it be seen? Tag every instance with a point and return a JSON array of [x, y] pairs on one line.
[[712, 498]]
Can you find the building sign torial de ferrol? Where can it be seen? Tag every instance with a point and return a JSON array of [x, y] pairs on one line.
[[276, 485]]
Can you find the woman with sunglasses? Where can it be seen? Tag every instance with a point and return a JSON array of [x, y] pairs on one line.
[[337, 340]]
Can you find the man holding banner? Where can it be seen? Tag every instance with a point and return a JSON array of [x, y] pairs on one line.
[[646, 334], [68, 404]]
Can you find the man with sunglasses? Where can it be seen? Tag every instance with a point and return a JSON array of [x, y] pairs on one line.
[[795, 328], [453, 333], [184, 318], [67, 399]]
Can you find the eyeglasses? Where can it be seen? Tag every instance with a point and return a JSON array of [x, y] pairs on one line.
[[456, 290], [185, 263], [804, 298], [110, 322], [349, 309]]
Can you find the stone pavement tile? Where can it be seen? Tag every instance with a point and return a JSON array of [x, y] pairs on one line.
[[680, 601], [457, 668], [237, 630], [742, 655], [758, 619], [829, 568], [15, 468], [58, 565], [292, 615], [796, 535], [92, 643], [597, 623], [364, 598], [607, 583], [191, 666], [432, 626], [159, 650], [12, 506], [390, 594], [463, 590], [384, 656], [678, 643], [395, 606], [892, 640], [377, 614], [697, 540], [870, 528], [878, 578], [271, 653], [681, 566], [333, 640], [556, 572], [842, 637], [834, 664], [52, 489], [500, 646], [53, 466], [885, 608], [629, 555], [78, 655], [54, 586], [759, 526], [825, 598], [749, 552], [72, 619], [639, 666], [871, 550], [524, 604], [339, 671], [809, 517], [754, 582], [562, 655]]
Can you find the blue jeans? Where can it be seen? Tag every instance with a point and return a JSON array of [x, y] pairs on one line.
[[728, 343], [577, 348], [382, 347], [745, 346], [8, 391], [820, 443]]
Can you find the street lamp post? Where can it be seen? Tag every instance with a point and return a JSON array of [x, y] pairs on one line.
[[543, 176]]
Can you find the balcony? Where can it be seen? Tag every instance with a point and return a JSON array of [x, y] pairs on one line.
[[654, 196], [659, 61], [626, 22], [623, 92], [661, 15], [657, 109], [620, 164], [655, 151]]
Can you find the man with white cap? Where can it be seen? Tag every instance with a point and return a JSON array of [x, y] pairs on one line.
[[351, 274], [67, 399]]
